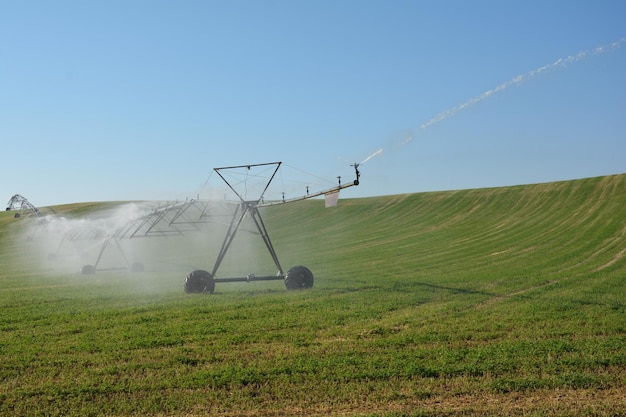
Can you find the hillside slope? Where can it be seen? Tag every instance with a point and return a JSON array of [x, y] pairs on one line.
[[504, 301], [561, 230]]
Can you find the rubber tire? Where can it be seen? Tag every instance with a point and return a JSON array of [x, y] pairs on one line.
[[88, 270], [299, 278], [199, 281]]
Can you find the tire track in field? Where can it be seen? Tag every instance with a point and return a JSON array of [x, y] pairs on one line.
[[616, 258], [497, 298]]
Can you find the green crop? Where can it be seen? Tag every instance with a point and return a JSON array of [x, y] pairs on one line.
[[504, 301]]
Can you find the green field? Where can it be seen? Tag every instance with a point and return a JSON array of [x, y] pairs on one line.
[[503, 301]]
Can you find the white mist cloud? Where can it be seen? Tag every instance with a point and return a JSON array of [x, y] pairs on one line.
[[65, 244], [164, 237]]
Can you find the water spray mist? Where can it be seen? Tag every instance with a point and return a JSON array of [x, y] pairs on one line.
[[378, 152], [558, 64], [517, 80]]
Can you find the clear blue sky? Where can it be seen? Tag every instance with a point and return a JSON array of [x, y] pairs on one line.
[[130, 100]]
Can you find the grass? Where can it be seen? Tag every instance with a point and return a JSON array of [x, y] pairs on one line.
[[505, 301]]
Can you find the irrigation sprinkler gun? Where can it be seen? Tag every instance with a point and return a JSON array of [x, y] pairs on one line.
[[297, 277]]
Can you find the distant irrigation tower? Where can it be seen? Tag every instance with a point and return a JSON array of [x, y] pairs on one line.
[[22, 205]]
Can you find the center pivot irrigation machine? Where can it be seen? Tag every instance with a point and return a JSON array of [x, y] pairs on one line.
[[297, 277], [22, 206]]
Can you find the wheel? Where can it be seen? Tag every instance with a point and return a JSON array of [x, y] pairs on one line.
[[199, 281], [136, 267], [298, 278], [88, 270]]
